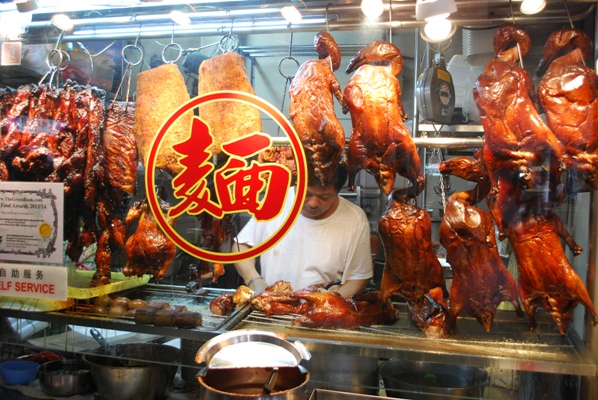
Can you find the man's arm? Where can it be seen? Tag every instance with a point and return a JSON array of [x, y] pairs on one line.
[[349, 288], [246, 269]]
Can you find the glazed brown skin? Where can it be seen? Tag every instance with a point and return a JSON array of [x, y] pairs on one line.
[[380, 142], [568, 92], [148, 248], [331, 310], [121, 151], [412, 269], [546, 279], [312, 109], [516, 139], [319, 308], [480, 279]]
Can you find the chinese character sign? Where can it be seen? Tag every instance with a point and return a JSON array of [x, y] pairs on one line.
[[241, 184]]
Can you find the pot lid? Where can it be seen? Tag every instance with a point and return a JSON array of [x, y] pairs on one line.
[[247, 348]]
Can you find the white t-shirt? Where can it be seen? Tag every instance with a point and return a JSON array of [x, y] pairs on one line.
[[314, 251]]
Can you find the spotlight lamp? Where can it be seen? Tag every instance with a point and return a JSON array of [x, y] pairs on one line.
[[26, 5], [372, 8], [291, 14], [532, 6], [434, 9], [180, 17], [62, 22]]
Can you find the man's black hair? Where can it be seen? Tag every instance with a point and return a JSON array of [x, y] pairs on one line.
[[338, 180]]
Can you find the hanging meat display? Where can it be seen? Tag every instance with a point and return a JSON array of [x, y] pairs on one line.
[[161, 91], [312, 109], [227, 120], [546, 278], [411, 268], [480, 279], [148, 248], [380, 142], [568, 93], [515, 137]]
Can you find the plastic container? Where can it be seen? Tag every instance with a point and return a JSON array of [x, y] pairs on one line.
[[18, 372]]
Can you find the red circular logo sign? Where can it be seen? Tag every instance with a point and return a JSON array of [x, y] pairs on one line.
[[301, 180]]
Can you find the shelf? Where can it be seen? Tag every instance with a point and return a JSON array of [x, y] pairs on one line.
[[508, 346]]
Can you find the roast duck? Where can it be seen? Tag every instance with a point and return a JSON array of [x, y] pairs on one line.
[[516, 140], [545, 277], [380, 142], [312, 109], [316, 307], [480, 279], [148, 248], [568, 93], [412, 270]]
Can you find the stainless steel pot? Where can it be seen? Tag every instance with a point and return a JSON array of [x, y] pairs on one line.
[[145, 371], [249, 383], [420, 380]]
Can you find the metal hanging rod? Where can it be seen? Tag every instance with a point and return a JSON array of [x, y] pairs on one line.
[[213, 18], [427, 142]]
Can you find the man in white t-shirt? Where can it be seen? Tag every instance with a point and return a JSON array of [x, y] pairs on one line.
[[329, 240]]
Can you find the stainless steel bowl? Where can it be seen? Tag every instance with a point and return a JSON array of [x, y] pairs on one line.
[[420, 380], [143, 371], [64, 378]]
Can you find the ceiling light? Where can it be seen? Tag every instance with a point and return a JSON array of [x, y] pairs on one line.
[[291, 14], [372, 8], [63, 22], [26, 5], [532, 6], [180, 17], [438, 30], [434, 9]]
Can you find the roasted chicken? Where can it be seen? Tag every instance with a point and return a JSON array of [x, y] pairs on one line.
[[412, 269], [148, 248], [319, 308], [480, 279], [546, 278], [568, 93], [331, 310], [516, 140], [312, 109], [380, 142]]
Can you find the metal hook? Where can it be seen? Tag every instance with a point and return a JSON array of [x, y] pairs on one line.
[[224, 43], [327, 26], [174, 45], [390, 21], [280, 66], [568, 14]]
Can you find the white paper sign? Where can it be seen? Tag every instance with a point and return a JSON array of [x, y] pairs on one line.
[[34, 281], [31, 222]]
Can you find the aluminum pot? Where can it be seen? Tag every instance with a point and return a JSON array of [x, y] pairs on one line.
[[420, 380], [145, 371], [64, 378], [248, 383]]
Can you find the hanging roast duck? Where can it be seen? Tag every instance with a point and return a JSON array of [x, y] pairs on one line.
[[568, 92], [380, 142], [515, 138], [312, 109], [480, 279]]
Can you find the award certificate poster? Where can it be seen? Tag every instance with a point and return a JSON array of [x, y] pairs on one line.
[[31, 222]]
